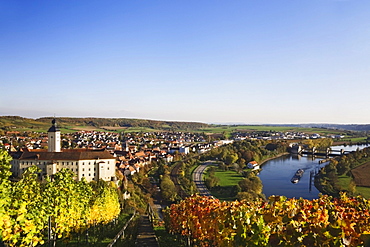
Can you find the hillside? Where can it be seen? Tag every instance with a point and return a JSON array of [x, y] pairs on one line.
[[70, 124], [360, 175], [351, 127], [8, 123]]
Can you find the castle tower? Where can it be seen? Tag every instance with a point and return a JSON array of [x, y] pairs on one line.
[[54, 138]]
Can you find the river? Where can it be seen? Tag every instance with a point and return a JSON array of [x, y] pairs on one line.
[[276, 174]]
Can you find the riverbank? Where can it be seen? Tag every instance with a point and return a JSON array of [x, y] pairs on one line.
[[277, 156], [322, 187], [351, 182], [350, 143]]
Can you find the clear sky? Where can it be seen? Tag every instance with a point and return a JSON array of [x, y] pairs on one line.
[[247, 61]]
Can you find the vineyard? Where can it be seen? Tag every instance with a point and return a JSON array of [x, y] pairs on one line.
[[31, 210], [327, 221]]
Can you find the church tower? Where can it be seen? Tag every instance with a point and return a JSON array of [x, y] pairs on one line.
[[54, 138]]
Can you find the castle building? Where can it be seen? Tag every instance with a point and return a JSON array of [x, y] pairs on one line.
[[88, 164]]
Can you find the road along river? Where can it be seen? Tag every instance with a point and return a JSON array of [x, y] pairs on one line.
[[198, 179], [276, 174]]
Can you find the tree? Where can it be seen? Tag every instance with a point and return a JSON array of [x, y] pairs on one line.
[[168, 188], [105, 204], [249, 196], [343, 166], [231, 158], [247, 155], [67, 203], [242, 163], [22, 215], [212, 181], [251, 183], [222, 166]]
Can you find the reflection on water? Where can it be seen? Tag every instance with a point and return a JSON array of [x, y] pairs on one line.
[[277, 173]]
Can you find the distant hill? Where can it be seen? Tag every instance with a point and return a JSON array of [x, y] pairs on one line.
[[353, 127], [15, 123], [69, 124]]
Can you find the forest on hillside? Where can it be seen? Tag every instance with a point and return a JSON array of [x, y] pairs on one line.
[[13, 122]]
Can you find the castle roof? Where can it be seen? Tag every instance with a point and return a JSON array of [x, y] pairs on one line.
[[75, 155], [54, 127]]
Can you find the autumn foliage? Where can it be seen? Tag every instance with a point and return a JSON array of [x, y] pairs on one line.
[[29, 209], [326, 221]]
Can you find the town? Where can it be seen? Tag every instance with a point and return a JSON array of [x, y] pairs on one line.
[[134, 150]]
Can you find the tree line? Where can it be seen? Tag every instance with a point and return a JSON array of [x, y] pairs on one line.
[[112, 122], [328, 178]]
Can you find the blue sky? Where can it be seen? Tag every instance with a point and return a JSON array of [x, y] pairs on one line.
[[249, 61]]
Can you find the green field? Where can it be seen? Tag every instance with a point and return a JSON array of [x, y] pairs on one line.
[[250, 128], [364, 191], [228, 179], [355, 140], [344, 182]]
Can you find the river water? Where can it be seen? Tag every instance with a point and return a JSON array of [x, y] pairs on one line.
[[277, 173]]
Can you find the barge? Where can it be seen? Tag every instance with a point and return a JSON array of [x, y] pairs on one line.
[[297, 176]]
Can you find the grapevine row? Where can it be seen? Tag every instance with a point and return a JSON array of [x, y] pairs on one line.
[[30, 209], [206, 221]]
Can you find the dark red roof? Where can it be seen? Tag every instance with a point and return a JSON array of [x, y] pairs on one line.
[[84, 155]]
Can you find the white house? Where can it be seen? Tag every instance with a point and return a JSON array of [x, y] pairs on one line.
[[253, 165], [88, 164]]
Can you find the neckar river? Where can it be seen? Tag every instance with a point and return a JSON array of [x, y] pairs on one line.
[[277, 173]]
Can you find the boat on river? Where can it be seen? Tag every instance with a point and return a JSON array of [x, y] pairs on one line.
[[297, 176]]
